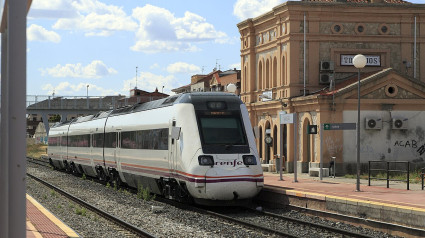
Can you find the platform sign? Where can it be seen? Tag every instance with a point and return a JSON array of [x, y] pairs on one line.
[[339, 126], [287, 118], [312, 129]]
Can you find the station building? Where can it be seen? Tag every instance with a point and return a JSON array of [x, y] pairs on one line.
[[297, 59]]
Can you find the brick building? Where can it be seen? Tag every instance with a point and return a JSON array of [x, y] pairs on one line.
[[297, 59]]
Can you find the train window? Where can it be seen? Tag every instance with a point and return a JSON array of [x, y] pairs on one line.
[[79, 141], [64, 141], [54, 141], [110, 140], [129, 140], [156, 139], [163, 139], [222, 130], [98, 140]]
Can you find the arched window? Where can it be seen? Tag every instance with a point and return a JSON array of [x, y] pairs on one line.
[[283, 72], [274, 72], [267, 79], [260, 76], [260, 144], [245, 80]]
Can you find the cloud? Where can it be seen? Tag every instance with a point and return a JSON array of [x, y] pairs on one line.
[[154, 66], [174, 34], [236, 66], [90, 16], [151, 47], [96, 69], [244, 9], [39, 33], [149, 82], [182, 67], [52, 9], [66, 88]]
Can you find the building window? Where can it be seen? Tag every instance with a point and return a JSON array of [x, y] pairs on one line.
[[384, 29], [391, 90], [336, 28], [359, 29]]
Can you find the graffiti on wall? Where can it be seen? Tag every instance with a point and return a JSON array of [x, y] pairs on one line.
[[413, 144], [333, 145]]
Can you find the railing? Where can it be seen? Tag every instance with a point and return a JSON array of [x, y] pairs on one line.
[[388, 171], [72, 102], [83, 102]]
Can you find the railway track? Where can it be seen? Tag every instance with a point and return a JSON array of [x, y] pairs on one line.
[[268, 224], [278, 224], [364, 222], [127, 229]]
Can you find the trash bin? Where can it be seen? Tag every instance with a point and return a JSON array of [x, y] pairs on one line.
[[277, 159], [332, 167]]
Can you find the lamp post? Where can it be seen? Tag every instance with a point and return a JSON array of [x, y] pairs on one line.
[[87, 96], [359, 62]]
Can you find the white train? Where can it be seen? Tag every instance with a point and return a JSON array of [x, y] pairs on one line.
[[196, 146]]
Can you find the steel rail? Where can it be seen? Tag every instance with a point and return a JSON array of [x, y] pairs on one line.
[[364, 222], [249, 225], [116, 220], [311, 224]]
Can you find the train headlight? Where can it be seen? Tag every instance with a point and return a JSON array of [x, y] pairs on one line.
[[206, 160], [249, 160]]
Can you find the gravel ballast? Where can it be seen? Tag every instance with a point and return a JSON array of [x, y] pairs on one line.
[[169, 221]]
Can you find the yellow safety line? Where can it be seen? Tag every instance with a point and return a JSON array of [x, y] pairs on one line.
[[69, 232]]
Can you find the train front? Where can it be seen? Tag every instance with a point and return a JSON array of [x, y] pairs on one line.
[[225, 169]]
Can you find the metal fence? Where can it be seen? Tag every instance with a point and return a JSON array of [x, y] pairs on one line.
[[389, 170]]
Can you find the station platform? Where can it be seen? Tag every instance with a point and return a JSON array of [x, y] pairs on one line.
[[395, 204], [40, 223]]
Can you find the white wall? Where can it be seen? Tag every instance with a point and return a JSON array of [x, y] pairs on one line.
[[386, 144]]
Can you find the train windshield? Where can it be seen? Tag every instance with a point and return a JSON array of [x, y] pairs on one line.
[[222, 130]]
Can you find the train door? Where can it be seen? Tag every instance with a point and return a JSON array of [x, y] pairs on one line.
[[117, 154], [172, 158]]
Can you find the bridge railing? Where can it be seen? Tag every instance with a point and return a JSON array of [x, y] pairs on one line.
[[73, 102]]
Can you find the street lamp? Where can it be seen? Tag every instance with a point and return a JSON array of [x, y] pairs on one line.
[[231, 88], [87, 96], [359, 62]]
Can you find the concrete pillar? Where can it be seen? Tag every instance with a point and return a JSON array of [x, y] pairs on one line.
[[46, 122], [14, 139], [63, 116], [4, 141]]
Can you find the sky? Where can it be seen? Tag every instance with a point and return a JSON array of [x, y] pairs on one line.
[[103, 43]]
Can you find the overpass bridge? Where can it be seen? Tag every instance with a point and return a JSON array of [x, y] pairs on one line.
[[70, 105], [86, 105]]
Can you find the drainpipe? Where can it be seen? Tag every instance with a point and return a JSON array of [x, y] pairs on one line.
[[414, 52], [305, 30]]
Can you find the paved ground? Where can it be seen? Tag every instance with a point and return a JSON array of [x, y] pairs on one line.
[[396, 194]]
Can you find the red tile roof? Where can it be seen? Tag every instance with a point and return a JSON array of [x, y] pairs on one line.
[[347, 82], [364, 1]]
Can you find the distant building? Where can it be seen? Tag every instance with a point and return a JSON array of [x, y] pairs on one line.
[[141, 96], [216, 81]]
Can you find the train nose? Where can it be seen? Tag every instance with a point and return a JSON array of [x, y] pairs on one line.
[[241, 183]]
